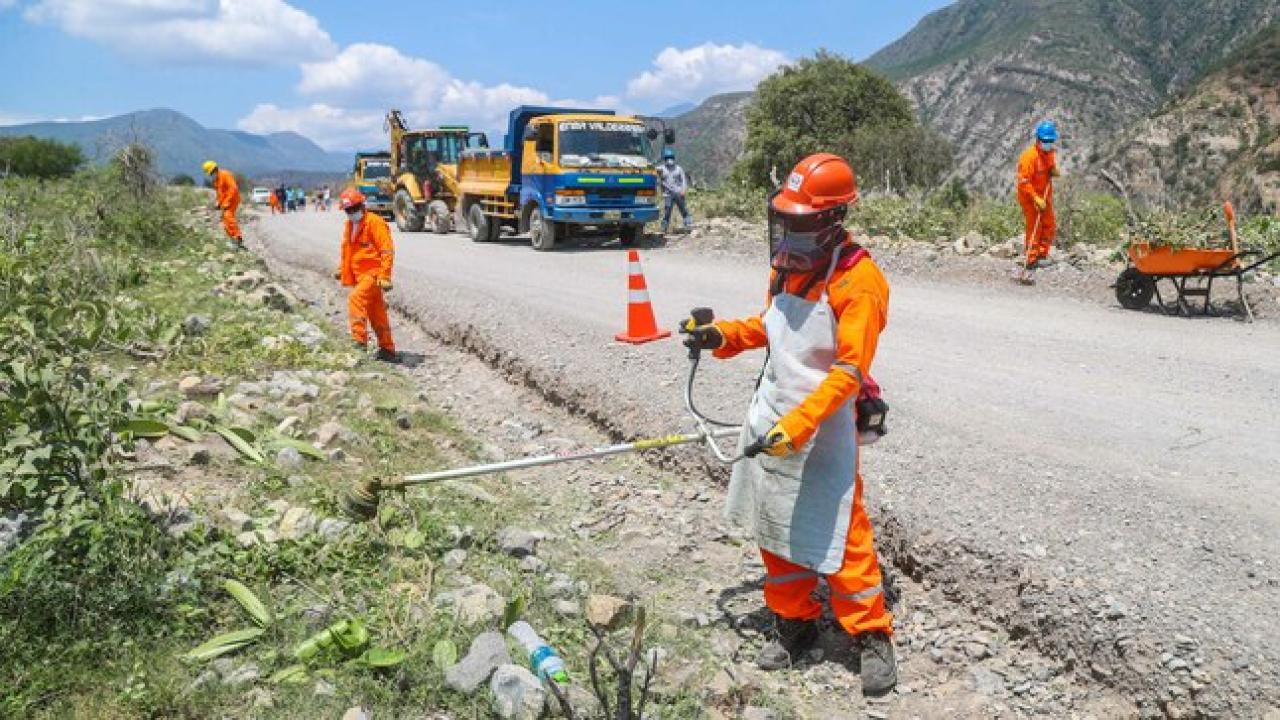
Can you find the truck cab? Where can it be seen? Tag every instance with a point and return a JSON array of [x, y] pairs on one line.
[[369, 176], [562, 172]]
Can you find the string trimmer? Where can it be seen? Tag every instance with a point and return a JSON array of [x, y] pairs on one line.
[[361, 501]]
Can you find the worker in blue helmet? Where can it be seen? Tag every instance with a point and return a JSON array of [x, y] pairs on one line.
[[1037, 168], [674, 186]]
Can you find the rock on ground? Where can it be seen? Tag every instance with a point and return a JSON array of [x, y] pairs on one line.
[[608, 612], [475, 604], [518, 543], [488, 652], [517, 694]]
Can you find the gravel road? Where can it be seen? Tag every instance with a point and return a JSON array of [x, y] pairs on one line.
[[1101, 481]]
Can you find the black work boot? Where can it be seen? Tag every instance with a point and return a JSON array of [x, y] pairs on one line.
[[789, 640], [879, 668], [384, 355]]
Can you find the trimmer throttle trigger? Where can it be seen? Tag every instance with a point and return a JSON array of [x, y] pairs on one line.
[[700, 316]]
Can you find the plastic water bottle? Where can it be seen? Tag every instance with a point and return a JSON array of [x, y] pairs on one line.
[[543, 660]]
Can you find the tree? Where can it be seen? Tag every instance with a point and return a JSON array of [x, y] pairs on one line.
[[33, 157], [182, 180], [828, 103]]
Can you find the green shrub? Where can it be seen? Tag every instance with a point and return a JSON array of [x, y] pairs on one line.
[[36, 158]]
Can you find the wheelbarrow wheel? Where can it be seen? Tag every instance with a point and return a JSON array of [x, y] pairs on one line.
[[1134, 290]]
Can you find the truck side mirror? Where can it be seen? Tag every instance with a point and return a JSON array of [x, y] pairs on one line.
[[669, 136]]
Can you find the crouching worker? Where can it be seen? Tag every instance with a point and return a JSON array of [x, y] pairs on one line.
[[367, 256], [801, 495]]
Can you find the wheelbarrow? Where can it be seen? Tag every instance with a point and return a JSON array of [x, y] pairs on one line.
[[1191, 272]]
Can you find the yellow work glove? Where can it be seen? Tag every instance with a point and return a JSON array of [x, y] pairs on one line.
[[778, 442], [1041, 204], [384, 283]]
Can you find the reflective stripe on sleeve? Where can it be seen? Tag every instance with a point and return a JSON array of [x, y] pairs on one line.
[[850, 369]]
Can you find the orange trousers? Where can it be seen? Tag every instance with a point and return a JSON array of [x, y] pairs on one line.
[[229, 222], [1039, 240], [857, 594], [366, 306]]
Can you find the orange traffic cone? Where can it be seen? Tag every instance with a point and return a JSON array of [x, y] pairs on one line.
[[641, 325]]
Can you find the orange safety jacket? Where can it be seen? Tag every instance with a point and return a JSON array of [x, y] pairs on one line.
[[224, 183], [1035, 173], [369, 251], [859, 297]]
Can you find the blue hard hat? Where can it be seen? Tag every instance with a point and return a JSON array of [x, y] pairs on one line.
[[1047, 131], [668, 154]]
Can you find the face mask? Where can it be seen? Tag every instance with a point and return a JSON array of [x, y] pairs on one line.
[[355, 217], [804, 244], [1046, 146], [671, 162]]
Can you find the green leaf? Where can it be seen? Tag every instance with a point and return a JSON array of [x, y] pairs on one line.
[[223, 644], [147, 428], [515, 609], [245, 433], [240, 444], [186, 432], [382, 658], [406, 538], [292, 675], [306, 448], [250, 602], [444, 655]]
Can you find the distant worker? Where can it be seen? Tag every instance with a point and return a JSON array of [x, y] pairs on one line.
[[282, 199], [228, 199], [367, 256], [1036, 169], [274, 201], [828, 303], [674, 186]]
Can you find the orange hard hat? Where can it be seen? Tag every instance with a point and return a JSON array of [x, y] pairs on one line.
[[350, 198], [819, 182]]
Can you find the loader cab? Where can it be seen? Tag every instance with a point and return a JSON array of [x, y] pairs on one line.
[[424, 152]]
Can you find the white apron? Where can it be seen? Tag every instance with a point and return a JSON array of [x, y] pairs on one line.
[[798, 506]]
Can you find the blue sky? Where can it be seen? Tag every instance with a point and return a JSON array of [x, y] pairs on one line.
[[330, 73]]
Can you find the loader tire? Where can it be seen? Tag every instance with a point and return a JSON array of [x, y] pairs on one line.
[[408, 219], [439, 219], [481, 227]]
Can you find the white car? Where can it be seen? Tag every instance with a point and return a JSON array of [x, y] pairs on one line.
[[261, 196]]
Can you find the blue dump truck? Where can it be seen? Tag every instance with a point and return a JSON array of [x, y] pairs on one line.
[[562, 173]]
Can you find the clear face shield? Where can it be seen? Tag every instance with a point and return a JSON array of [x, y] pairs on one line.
[[803, 243]]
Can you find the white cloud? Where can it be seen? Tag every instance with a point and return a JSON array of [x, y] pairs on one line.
[[258, 31], [697, 72], [367, 79], [330, 127]]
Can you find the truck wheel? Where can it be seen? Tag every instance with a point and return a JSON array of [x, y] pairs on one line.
[[479, 226], [439, 219], [542, 232], [1134, 290], [408, 219], [628, 234]]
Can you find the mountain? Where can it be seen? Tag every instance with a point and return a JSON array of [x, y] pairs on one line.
[[181, 144], [984, 72], [1219, 140], [710, 137], [676, 110]]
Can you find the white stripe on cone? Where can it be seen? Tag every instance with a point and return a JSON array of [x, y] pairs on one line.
[[635, 297]]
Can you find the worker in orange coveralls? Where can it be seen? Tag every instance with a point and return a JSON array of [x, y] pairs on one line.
[[799, 490], [1036, 169], [367, 255], [228, 194], [274, 202]]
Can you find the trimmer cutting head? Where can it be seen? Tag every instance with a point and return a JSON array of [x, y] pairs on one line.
[[360, 502]]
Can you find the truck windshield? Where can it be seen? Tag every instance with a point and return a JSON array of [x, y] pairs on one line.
[[375, 170], [603, 144]]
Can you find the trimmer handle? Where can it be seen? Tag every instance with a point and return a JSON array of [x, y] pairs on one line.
[[701, 316]]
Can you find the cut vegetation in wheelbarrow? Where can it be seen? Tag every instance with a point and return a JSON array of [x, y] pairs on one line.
[[1190, 270]]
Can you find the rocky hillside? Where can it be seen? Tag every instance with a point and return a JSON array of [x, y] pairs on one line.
[[983, 72], [1220, 140], [710, 137]]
